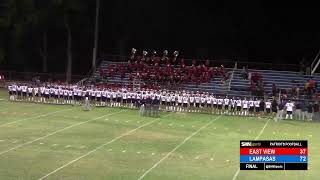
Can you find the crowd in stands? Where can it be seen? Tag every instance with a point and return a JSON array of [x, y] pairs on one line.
[[165, 70], [310, 87], [256, 84]]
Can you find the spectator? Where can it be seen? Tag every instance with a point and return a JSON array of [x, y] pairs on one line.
[[244, 73], [101, 73]]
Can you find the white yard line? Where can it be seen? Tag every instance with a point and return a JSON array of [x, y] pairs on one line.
[[99, 147], [55, 132], [174, 149], [238, 171], [34, 117]]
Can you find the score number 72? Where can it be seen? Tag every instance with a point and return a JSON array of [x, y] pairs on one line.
[[303, 158]]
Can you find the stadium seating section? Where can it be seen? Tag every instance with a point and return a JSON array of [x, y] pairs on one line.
[[235, 86]]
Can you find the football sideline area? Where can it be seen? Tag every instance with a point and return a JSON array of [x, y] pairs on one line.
[[43, 141]]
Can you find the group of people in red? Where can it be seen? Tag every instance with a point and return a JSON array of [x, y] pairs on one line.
[[165, 69], [256, 84]]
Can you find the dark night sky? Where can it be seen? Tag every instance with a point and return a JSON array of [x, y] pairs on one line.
[[225, 29], [238, 30]]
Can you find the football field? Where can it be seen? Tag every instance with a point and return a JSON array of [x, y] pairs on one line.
[[40, 141]]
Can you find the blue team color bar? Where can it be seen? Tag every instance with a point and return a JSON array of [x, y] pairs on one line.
[[251, 159]]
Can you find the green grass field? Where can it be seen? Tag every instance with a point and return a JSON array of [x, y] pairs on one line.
[[64, 142]]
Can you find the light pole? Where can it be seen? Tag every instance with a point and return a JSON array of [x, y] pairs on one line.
[[96, 34]]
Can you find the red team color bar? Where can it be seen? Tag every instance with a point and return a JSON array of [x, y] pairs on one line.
[[273, 151]]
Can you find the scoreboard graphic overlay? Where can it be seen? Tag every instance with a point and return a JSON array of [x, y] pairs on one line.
[[273, 155]]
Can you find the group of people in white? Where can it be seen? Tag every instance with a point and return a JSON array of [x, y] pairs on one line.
[[180, 101]]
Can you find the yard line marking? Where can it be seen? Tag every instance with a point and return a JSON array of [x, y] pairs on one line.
[[55, 132], [99, 147], [174, 149], [238, 171], [35, 117]]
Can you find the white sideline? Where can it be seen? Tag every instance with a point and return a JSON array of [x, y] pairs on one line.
[[99, 147], [238, 171], [174, 149], [55, 132], [34, 117]]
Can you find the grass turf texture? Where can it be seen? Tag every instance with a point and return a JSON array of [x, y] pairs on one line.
[[34, 141]]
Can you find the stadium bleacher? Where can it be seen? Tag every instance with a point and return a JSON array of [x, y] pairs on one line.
[[282, 79], [236, 86]]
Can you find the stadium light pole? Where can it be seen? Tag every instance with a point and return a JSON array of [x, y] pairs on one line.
[[96, 34]]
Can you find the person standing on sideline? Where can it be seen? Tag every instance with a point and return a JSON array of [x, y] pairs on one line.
[[268, 107], [279, 111], [298, 112], [262, 107], [310, 111], [289, 108], [87, 104], [315, 111], [304, 110], [274, 108]]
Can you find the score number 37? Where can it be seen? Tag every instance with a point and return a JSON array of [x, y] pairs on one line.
[[303, 151]]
